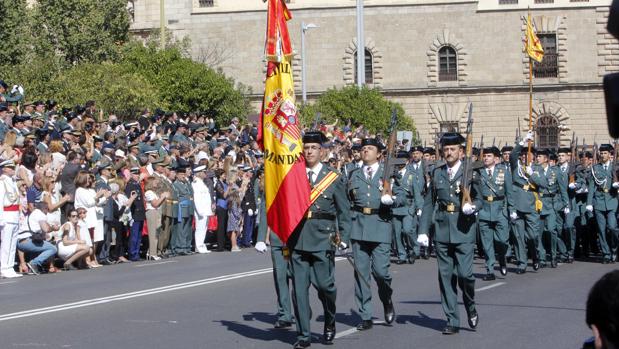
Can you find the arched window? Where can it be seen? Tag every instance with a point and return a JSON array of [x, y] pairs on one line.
[[369, 70], [547, 132], [447, 64]]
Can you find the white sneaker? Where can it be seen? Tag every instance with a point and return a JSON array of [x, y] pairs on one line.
[[237, 249], [11, 275]]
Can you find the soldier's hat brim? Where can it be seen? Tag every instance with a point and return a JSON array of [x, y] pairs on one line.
[[373, 142]]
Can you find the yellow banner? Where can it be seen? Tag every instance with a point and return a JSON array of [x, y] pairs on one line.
[[533, 46]]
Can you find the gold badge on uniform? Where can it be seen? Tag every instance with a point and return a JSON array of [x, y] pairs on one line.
[[458, 187], [500, 177]]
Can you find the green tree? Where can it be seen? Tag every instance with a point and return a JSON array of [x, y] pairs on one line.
[[364, 106], [14, 32], [80, 30], [185, 85]]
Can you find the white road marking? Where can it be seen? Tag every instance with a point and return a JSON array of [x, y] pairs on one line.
[[149, 264], [354, 330], [7, 282], [490, 286]]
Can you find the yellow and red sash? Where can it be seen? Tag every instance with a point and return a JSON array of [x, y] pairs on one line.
[[321, 186]]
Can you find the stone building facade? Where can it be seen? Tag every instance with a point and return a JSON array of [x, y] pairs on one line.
[[433, 56]]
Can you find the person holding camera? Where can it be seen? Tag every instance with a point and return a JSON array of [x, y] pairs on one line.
[[138, 213]]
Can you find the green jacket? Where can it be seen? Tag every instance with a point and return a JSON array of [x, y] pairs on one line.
[[450, 227], [552, 189], [521, 200], [170, 205], [315, 234], [374, 227], [409, 184], [184, 190], [494, 192], [601, 193]]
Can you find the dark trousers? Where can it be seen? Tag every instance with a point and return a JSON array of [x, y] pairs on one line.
[[248, 230], [135, 236], [455, 268], [120, 248], [164, 236], [222, 222], [104, 252]]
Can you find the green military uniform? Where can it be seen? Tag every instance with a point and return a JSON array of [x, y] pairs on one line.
[[371, 237], [603, 197], [419, 185], [455, 236], [281, 270], [565, 221], [180, 242], [313, 254], [403, 217], [553, 194], [495, 185], [522, 203], [169, 211], [583, 217]]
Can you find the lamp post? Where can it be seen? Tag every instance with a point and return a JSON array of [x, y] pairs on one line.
[[304, 28]]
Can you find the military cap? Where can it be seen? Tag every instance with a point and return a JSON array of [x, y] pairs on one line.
[[38, 103], [76, 133], [135, 170], [97, 139], [70, 116], [525, 150], [3, 84], [372, 141], [7, 163], [165, 137], [103, 166], [416, 148], [119, 153], [28, 104], [507, 148], [134, 145], [199, 169], [564, 150], [158, 161], [202, 129], [542, 152], [606, 147], [182, 165], [492, 150], [3, 107], [39, 117], [402, 154], [452, 138], [476, 151], [17, 119], [553, 156], [588, 155], [429, 150], [30, 135], [356, 147]]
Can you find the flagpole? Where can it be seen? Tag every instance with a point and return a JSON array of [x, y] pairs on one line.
[[530, 92]]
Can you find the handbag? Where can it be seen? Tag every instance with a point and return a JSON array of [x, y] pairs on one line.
[[37, 237], [212, 223]]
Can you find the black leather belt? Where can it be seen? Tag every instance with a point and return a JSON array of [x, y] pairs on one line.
[[549, 195], [603, 190], [448, 207], [493, 198], [319, 215], [526, 187], [365, 210]]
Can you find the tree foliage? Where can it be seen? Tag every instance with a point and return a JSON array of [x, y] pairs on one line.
[[364, 106], [14, 35]]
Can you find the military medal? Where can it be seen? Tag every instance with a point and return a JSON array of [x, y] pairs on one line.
[[458, 187]]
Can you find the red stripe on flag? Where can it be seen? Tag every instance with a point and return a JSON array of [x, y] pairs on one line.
[[291, 202]]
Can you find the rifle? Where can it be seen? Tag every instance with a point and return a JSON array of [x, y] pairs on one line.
[[467, 172], [390, 155], [481, 148], [316, 121], [518, 132], [574, 147], [595, 152], [493, 141], [437, 153]]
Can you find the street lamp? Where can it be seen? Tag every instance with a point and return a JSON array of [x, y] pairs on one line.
[[304, 28]]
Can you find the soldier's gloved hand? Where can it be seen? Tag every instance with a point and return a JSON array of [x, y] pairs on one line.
[[572, 186], [419, 212], [14, 89], [342, 246], [566, 210], [250, 212], [20, 89], [589, 208], [386, 200], [616, 185], [529, 170], [423, 240], [528, 137], [513, 216], [261, 247], [468, 209]]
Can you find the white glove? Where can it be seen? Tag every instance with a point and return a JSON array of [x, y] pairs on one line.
[[529, 137], [566, 210], [468, 209], [250, 212], [342, 246], [582, 190], [419, 212], [20, 89], [423, 240], [261, 247], [589, 208], [529, 170], [14, 89], [572, 186], [616, 185], [513, 216], [386, 200]]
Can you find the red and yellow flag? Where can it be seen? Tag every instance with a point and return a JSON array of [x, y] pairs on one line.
[[286, 186], [532, 45]]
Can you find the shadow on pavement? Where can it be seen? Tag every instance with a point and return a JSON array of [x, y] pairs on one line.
[[288, 336], [422, 320], [350, 319]]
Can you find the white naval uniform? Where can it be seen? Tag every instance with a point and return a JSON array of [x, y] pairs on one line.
[[9, 224], [202, 211]]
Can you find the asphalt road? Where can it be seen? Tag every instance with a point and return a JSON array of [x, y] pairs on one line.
[[227, 300]]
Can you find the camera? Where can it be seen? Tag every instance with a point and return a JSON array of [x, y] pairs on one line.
[[589, 343]]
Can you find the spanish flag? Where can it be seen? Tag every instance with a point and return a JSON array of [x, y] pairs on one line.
[[286, 186], [532, 45]]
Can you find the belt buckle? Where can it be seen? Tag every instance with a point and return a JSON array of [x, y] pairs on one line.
[[525, 187], [451, 207], [490, 198], [606, 190], [367, 210], [308, 215]]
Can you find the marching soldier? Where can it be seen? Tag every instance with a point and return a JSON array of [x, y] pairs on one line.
[[495, 185], [524, 213], [9, 219], [371, 232], [584, 219], [314, 241], [565, 221], [455, 232], [416, 168], [403, 224], [553, 194], [180, 242], [602, 200]]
